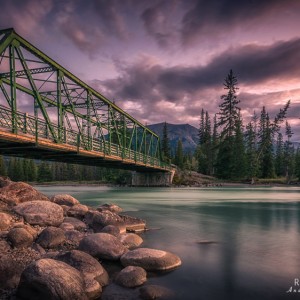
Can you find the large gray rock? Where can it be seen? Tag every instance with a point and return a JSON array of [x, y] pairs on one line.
[[102, 245], [74, 236], [10, 272], [98, 220], [131, 276], [51, 237], [27, 227], [43, 213], [19, 192], [111, 207], [94, 274], [111, 229], [151, 259], [64, 199], [131, 240], [78, 225], [77, 211], [20, 238], [133, 224], [5, 220], [50, 279]]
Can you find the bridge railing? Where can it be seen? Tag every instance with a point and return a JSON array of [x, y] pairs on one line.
[[27, 124]]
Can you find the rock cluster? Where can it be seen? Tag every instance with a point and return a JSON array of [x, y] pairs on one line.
[[53, 249]]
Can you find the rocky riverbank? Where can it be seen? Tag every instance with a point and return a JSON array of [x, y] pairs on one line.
[[57, 248]]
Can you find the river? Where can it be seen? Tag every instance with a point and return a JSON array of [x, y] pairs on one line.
[[254, 233]]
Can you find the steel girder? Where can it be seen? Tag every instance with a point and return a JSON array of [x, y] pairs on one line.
[[64, 109]]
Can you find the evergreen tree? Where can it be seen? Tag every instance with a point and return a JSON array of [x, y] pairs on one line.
[[229, 116], [239, 155], [3, 171], [229, 110], [32, 176], [251, 151], [165, 147], [201, 128], [297, 163], [179, 159], [44, 172], [288, 153], [279, 159]]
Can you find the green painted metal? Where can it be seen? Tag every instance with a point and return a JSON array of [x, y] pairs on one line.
[[64, 109]]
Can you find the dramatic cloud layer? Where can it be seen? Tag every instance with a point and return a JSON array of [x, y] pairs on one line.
[[165, 60]]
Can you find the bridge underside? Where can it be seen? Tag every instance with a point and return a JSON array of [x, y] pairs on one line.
[[26, 146]]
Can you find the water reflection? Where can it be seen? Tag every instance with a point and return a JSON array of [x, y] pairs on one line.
[[257, 229]]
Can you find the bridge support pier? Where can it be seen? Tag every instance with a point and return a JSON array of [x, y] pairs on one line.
[[152, 178]]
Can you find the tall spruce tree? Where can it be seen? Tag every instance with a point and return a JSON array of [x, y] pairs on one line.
[[251, 150], [229, 116], [288, 153], [279, 158], [165, 147], [179, 157]]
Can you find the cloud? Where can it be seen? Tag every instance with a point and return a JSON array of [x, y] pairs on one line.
[[158, 24], [216, 18], [27, 17], [180, 92]]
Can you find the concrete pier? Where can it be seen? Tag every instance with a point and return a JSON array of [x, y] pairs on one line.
[[152, 178]]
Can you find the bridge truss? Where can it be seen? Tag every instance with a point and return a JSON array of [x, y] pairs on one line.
[[47, 112]]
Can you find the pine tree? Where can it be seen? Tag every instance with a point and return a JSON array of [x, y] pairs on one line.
[[179, 159], [201, 128], [3, 171], [165, 147], [32, 176], [251, 150], [229, 116], [239, 155], [288, 153], [279, 158], [229, 110], [44, 172]]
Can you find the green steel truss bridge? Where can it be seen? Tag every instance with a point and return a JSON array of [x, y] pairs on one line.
[[48, 113]]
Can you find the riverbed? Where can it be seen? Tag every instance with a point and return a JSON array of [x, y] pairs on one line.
[[235, 243]]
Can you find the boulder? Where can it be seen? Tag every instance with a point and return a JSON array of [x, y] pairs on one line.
[[4, 247], [78, 225], [98, 220], [131, 276], [102, 245], [133, 224], [131, 240], [5, 220], [27, 227], [38, 248], [51, 237], [20, 238], [43, 213], [77, 211], [19, 192], [149, 292], [111, 207], [66, 226], [10, 272], [74, 236], [111, 229], [151, 259], [86, 264], [64, 199], [51, 279]]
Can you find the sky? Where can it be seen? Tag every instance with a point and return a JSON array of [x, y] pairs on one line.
[[165, 60]]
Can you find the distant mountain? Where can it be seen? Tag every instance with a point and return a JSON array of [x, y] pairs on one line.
[[187, 133]]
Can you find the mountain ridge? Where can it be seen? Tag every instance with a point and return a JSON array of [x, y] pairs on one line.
[[186, 132]]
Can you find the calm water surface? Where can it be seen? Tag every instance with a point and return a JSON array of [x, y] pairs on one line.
[[256, 254]]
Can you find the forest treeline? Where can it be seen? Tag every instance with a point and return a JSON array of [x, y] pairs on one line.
[[21, 169], [230, 149]]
